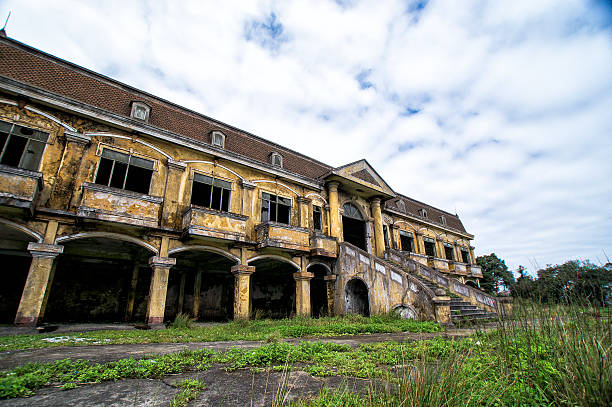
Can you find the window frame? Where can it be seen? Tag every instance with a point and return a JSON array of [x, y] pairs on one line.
[[130, 155], [423, 212], [320, 213], [411, 239], [136, 105], [213, 135], [275, 155], [212, 186], [11, 133], [277, 206]]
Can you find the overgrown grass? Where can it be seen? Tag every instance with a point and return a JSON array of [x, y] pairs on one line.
[[191, 389], [554, 355], [255, 330]]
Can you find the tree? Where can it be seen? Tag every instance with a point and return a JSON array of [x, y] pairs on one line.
[[495, 274]]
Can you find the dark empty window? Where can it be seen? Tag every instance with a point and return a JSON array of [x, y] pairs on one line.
[[20, 146], [317, 216], [465, 256], [406, 241], [275, 208], [448, 252], [211, 192], [430, 247], [124, 171], [386, 235]]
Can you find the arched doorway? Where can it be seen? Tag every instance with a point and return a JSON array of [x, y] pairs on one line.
[[15, 260], [272, 290], [318, 291], [353, 226], [201, 284], [471, 283], [356, 298], [99, 279]]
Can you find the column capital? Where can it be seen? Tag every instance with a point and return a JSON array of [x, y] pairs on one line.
[[162, 262], [303, 275], [375, 202], [304, 200], [394, 226], [45, 250], [242, 270], [247, 185], [77, 137], [331, 277], [176, 165], [333, 185]]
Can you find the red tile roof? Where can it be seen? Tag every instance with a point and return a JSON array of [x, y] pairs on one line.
[[433, 214]]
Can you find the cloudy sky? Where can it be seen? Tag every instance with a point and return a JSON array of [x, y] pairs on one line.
[[500, 111]]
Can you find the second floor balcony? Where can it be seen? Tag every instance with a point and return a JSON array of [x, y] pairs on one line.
[[119, 205], [282, 236], [19, 187], [200, 221]]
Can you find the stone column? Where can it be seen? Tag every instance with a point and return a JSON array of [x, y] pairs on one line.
[[330, 282], [304, 215], [419, 247], [395, 239], [242, 280], [159, 287], [442, 307], [71, 159], [379, 239], [174, 180], [247, 206], [334, 211], [129, 309], [37, 283], [197, 287], [440, 249], [472, 258], [302, 292]]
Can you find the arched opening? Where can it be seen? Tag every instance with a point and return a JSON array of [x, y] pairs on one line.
[[356, 298], [471, 283], [201, 284], [15, 260], [99, 279], [353, 226], [272, 291], [318, 291]]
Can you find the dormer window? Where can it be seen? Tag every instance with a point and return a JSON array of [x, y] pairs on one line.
[[140, 111], [217, 139], [443, 220], [401, 206], [276, 159], [422, 212]]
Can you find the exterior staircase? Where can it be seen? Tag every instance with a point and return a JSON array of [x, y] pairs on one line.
[[461, 311]]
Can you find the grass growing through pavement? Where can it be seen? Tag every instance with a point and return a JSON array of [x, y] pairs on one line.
[[191, 389], [256, 330]]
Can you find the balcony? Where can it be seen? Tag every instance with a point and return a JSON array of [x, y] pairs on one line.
[[118, 205], [322, 245], [475, 270], [420, 258], [199, 221], [437, 263], [279, 235], [461, 268], [19, 187]]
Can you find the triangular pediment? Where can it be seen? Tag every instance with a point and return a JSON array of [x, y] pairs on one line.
[[361, 172]]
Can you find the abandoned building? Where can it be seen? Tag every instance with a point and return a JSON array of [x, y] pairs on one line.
[[116, 205]]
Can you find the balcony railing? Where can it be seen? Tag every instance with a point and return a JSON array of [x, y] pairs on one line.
[[19, 187], [273, 234], [475, 270], [118, 205], [199, 221], [322, 245]]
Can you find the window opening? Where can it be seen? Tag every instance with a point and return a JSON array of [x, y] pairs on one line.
[[448, 252], [465, 256], [277, 159], [275, 208], [443, 220], [317, 216], [124, 171], [401, 206], [21, 147], [140, 111], [386, 235], [423, 213], [430, 247], [211, 192], [407, 241], [218, 139]]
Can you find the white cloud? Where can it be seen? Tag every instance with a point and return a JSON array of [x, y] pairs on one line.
[[497, 109]]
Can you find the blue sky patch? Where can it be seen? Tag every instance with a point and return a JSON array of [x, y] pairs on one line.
[[267, 33], [362, 78]]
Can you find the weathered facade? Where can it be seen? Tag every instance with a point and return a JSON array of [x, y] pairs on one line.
[[117, 205]]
